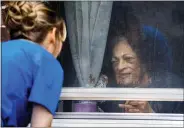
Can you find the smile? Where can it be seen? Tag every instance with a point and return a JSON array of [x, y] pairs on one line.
[[124, 75]]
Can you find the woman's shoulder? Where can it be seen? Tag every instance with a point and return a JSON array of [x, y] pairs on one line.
[[20, 44], [30, 52], [166, 80]]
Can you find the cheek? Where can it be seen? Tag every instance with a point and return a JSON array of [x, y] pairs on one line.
[[135, 64], [114, 66], [137, 70]]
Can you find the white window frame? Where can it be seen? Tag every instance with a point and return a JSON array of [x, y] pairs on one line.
[[87, 119], [145, 94], [117, 120]]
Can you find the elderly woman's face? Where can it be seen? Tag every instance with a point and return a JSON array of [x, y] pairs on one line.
[[126, 64]]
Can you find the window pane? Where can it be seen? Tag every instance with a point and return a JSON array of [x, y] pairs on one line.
[[145, 45], [122, 106], [148, 35], [144, 50]]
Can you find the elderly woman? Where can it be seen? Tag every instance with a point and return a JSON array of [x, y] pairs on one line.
[[139, 57]]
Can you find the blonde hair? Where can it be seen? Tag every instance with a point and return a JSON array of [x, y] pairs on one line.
[[32, 20]]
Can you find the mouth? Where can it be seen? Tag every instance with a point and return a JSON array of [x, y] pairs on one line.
[[124, 75]]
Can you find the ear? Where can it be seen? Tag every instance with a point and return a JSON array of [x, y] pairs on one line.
[[50, 42], [52, 35]]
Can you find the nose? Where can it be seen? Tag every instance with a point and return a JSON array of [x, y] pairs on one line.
[[122, 64]]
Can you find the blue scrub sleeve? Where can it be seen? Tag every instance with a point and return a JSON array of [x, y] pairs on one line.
[[47, 85]]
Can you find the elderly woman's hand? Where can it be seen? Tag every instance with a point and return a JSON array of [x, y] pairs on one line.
[[136, 107]]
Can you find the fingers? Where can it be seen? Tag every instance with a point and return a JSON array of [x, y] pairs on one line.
[[135, 103], [126, 106], [133, 110], [142, 105], [135, 106]]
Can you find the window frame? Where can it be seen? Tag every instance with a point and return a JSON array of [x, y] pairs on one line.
[[63, 119], [144, 94], [117, 120]]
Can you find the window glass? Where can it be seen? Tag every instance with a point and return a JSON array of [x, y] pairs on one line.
[[144, 46], [122, 106], [144, 49]]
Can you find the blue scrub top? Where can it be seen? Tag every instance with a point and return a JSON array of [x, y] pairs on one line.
[[30, 75]]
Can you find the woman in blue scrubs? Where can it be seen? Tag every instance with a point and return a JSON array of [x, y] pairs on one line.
[[32, 78]]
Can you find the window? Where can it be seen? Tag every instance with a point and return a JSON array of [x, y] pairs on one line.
[[133, 47]]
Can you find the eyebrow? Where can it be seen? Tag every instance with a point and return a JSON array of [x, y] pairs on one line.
[[125, 55], [128, 55]]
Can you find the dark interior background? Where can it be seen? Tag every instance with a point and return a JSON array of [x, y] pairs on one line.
[[168, 16]]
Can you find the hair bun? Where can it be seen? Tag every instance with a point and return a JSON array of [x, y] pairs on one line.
[[20, 16]]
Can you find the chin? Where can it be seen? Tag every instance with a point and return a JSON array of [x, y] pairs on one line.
[[125, 83]]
